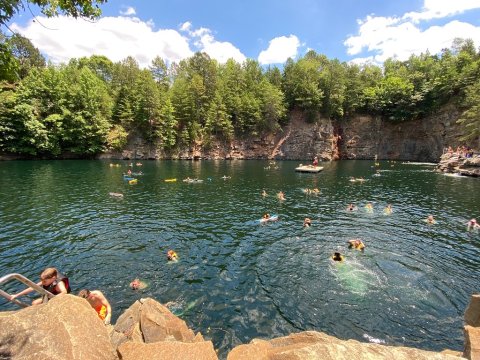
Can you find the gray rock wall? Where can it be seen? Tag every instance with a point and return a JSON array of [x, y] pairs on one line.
[[361, 137]]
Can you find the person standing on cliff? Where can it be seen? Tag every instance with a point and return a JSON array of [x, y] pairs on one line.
[[99, 302]]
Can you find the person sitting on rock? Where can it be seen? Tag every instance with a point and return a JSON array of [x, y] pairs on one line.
[[52, 281], [99, 302]]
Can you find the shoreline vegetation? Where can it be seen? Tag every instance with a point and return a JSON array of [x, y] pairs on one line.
[[92, 106]]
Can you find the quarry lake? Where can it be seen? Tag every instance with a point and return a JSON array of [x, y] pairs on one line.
[[238, 279]]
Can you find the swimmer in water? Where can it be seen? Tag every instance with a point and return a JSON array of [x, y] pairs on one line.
[[172, 255], [137, 284], [281, 196], [307, 222], [264, 193], [337, 257], [351, 207], [430, 220], [369, 207], [356, 244], [388, 210], [473, 225]]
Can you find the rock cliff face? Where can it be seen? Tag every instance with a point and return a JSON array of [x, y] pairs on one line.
[[360, 137]]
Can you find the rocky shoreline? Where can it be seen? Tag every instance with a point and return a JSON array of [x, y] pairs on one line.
[[68, 328], [454, 163]]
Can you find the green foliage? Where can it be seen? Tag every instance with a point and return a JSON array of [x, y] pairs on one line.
[[117, 138], [77, 8], [27, 56], [8, 63], [470, 118], [302, 84], [92, 103], [167, 131]]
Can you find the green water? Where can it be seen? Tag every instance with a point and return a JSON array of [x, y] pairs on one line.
[[237, 279]]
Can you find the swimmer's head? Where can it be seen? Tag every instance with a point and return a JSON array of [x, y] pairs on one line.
[[135, 284]]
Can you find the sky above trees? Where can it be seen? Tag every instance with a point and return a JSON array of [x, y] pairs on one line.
[[268, 31]]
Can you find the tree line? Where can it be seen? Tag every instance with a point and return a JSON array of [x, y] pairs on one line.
[[90, 105]]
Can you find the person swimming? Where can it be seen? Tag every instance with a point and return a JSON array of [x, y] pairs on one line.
[[337, 257], [430, 220], [351, 207], [473, 225], [281, 196], [264, 193], [388, 210], [356, 244], [172, 255], [307, 222], [369, 207], [137, 284]]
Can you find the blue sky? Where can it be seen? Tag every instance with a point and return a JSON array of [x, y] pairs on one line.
[[265, 30]]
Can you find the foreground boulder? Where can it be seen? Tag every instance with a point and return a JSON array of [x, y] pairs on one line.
[[65, 328], [148, 330], [312, 345]]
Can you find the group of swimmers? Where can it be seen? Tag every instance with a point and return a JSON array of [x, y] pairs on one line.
[[369, 208], [356, 244], [56, 283]]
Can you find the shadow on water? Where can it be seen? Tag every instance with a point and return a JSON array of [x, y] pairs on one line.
[[237, 279]]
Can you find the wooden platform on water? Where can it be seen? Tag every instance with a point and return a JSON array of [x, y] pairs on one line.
[[309, 169]]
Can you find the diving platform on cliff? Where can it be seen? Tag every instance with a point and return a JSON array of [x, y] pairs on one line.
[[308, 168]]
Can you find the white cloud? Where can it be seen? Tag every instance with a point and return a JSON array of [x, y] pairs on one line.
[[186, 26], [400, 37], [119, 37], [128, 11], [279, 50], [433, 9], [221, 51], [114, 37], [205, 42]]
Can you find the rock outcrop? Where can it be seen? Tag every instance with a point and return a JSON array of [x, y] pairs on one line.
[[65, 328], [310, 345], [148, 330], [458, 164], [68, 328]]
